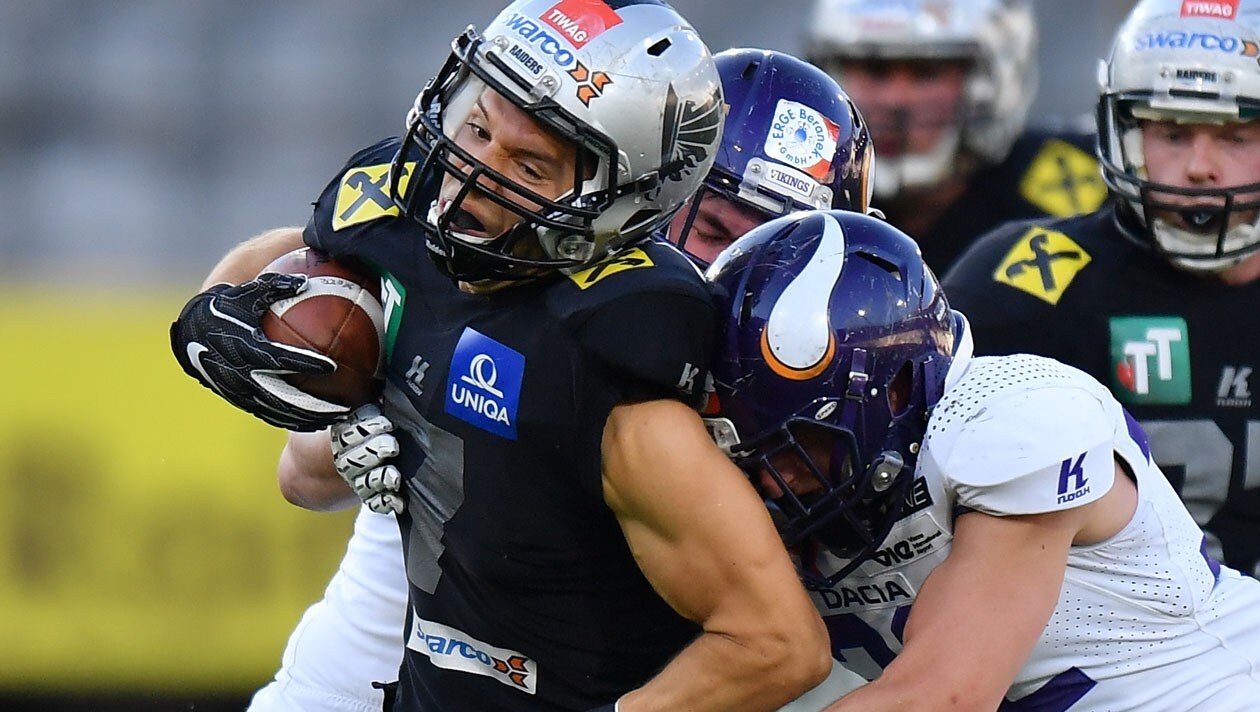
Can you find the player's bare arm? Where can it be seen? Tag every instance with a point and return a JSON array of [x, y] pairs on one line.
[[247, 259], [995, 591], [307, 477], [705, 541]]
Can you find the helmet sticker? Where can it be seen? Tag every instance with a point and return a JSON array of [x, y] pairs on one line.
[[1197, 41], [798, 342], [791, 181], [544, 41], [803, 138], [1226, 10], [590, 85], [688, 132], [580, 21]]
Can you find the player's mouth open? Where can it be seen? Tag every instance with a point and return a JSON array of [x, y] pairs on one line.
[[462, 221], [466, 222], [1200, 218]]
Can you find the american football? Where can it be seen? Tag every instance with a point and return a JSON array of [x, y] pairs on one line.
[[339, 315]]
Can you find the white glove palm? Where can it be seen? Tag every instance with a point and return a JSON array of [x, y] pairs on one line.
[[361, 445]]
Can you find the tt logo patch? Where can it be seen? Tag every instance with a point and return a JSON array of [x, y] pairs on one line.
[[1042, 263], [1150, 356]]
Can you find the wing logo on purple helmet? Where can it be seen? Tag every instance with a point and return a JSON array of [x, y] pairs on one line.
[[797, 341]]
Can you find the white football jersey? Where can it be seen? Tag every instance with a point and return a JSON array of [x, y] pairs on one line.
[[1145, 620], [351, 638]]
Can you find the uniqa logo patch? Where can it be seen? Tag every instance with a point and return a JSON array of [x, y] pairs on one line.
[[484, 386]]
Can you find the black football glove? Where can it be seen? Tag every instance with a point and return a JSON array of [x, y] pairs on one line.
[[218, 340]]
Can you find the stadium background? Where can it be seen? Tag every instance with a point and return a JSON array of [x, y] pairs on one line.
[[147, 561]]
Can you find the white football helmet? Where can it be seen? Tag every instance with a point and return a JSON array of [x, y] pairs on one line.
[[1191, 63], [997, 37], [630, 83]]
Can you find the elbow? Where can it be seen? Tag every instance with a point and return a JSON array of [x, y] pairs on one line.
[[798, 657], [303, 491], [306, 476], [816, 654]]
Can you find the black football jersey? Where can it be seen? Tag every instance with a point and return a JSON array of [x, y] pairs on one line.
[[1045, 174], [524, 593], [1175, 348]]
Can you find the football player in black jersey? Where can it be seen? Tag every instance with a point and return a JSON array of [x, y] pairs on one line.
[[1154, 295], [946, 86], [572, 538], [364, 603]]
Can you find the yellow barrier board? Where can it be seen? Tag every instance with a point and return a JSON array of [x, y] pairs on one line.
[[144, 544]]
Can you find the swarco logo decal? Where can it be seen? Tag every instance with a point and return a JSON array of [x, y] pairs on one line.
[[452, 649], [485, 383], [546, 42], [1208, 41]]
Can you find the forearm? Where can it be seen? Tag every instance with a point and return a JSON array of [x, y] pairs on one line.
[[307, 477], [247, 259], [711, 551]]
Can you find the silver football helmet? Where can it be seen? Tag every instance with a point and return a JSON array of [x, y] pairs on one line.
[[998, 38], [1190, 63], [629, 83]]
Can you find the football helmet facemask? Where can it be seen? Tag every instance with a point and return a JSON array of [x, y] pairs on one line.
[[996, 38], [630, 84]]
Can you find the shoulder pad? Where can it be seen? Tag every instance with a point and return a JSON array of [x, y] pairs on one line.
[[646, 313], [645, 265], [1024, 434], [359, 194]]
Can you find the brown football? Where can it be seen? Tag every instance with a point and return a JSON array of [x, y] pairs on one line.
[[339, 314]]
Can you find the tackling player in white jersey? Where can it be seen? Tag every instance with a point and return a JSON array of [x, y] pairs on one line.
[[978, 533]]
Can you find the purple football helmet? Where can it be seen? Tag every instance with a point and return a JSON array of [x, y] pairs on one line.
[[793, 140], [834, 343]]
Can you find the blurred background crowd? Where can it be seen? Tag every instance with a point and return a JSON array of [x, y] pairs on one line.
[[145, 554]]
